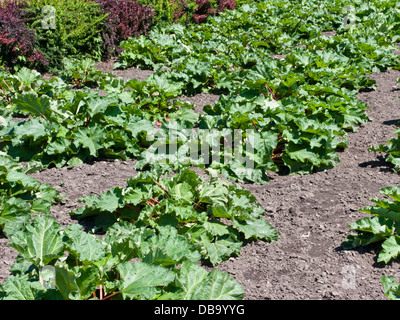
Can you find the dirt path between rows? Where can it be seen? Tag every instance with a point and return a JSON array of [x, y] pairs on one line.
[[311, 212]]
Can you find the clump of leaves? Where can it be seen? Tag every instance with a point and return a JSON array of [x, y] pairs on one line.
[[82, 73], [215, 216], [21, 197], [392, 148], [67, 127], [204, 8], [383, 226], [391, 287], [226, 5], [70, 264], [186, 11], [166, 11]]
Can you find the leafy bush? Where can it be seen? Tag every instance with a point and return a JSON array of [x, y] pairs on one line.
[[43, 32], [66, 28], [165, 11], [206, 8], [226, 5], [124, 19], [17, 42], [40, 33]]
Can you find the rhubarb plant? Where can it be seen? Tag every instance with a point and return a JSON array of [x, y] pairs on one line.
[[82, 73], [383, 227], [67, 127], [391, 287], [392, 149], [21, 197], [129, 263], [244, 138], [300, 107], [215, 216]]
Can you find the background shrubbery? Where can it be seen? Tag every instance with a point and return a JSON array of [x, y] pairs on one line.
[[86, 28], [187, 11], [124, 19], [75, 31], [17, 42]]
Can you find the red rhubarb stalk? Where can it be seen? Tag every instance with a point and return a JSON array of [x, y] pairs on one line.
[[162, 188], [271, 92], [254, 125]]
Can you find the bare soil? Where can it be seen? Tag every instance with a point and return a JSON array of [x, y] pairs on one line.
[[310, 212]]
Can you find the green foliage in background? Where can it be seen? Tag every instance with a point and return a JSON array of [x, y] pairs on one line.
[[71, 29], [165, 10]]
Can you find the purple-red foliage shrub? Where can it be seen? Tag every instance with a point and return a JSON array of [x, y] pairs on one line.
[[226, 5], [125, 19], [204, 8], [16, 40]]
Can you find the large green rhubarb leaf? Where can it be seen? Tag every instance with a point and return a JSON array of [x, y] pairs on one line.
[[390, 249], [77, 283], [19, 288], [33, 104], [143, 281], [198, 284], [168, 248], [40, 242], [91, 138]]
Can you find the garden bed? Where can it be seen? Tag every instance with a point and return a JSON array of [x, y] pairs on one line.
[[311, 212], [295, 93]]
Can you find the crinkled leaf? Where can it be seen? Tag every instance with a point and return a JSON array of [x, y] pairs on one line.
[[256, 229], [198, 284], [168, 248], [30, 102], [86, 247], [143, 281], [77, 283], [20, 288], [14, 215], [40, 242], [91, 138], [390, 249]]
